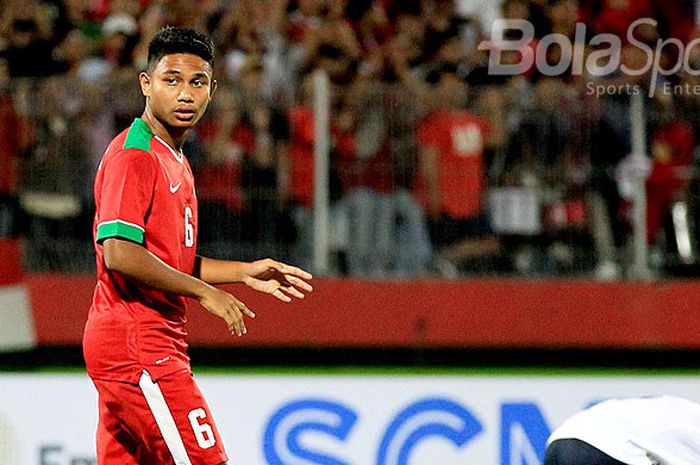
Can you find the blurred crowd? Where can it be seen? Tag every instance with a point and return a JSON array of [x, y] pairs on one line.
[[438, 166]]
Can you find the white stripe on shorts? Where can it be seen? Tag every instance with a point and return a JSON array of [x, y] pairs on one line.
[[164, 419]]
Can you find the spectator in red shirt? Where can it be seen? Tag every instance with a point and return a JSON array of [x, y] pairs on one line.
[[300, 155], [239, 177], [260, 175], [452, 174], [13, 140], [412, 249], [227, 140], [370, 197], [672, 145], [297, 172]]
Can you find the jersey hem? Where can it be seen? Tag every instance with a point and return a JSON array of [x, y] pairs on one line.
[[133, 377]]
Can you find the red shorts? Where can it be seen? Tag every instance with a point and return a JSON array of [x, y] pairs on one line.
[[161, 423]]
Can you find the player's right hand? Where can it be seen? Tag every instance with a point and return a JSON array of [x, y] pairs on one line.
[[228, 307]]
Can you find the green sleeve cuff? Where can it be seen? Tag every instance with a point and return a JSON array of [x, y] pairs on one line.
[[120, 229]]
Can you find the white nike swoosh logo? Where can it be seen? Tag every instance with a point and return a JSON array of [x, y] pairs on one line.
[[175, 188]]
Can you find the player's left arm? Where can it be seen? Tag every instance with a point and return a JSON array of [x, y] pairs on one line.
[[267, 276]]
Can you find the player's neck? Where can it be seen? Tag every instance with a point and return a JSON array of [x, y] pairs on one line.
[[174, 138]]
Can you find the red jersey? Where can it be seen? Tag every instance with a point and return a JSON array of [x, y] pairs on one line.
[[458, 138], [144, 193], [301, 155]]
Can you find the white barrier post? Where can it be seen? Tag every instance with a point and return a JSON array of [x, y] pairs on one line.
[[640, 265], [321, 172]]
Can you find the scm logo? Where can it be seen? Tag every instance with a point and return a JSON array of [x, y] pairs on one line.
[[523, 431]]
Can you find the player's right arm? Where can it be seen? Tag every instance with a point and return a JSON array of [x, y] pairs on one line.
[[139, 264]]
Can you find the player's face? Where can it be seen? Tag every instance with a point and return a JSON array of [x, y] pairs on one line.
[[179, 89]]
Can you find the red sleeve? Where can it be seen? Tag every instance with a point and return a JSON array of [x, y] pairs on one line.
[[128, 182]]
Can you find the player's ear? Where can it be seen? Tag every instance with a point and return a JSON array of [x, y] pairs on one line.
[[214, 86], [145, 81]]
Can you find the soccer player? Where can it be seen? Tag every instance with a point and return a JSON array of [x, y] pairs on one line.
[[641, 431], [150, 408]]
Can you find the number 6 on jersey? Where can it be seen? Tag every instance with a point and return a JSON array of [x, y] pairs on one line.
[[202, 431], [189, 229]]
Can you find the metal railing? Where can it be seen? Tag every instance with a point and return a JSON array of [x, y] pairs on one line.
[[381, 180]]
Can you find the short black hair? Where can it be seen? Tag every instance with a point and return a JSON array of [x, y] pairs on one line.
[[171, 39]]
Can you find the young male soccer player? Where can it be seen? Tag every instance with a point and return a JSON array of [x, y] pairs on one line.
[[638, 431], [150, 409]]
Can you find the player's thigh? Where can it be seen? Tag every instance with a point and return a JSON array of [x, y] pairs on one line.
[[114, 445], [184, 418], [161, 423], [120, 430]]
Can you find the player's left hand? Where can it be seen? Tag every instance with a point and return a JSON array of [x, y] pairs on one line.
[[277, 279]]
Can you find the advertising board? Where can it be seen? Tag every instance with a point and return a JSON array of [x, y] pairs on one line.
[[335, 419]]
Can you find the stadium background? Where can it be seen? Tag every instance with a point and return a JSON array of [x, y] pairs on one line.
[[556, 267]]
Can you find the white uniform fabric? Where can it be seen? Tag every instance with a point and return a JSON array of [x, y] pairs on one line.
[[642, 431]]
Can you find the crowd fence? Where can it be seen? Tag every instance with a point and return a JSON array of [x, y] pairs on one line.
[[383, 180]]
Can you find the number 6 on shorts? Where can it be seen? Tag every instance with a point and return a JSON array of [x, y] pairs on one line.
[[202, 431]]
